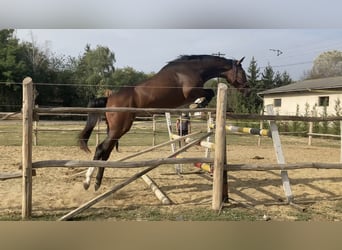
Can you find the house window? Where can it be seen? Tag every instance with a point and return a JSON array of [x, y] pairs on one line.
[[277, 102], [323, 101]]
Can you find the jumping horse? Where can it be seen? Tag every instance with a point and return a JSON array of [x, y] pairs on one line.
[[179, 82]]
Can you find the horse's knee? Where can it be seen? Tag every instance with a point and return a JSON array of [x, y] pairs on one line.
[[98, 152]]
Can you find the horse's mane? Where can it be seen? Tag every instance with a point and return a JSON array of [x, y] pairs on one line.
[[188, 58], [194, 57]]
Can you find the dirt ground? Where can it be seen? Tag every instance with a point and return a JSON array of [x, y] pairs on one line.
[[319, 191]]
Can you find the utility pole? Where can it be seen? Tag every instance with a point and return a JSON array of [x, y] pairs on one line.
[[218, 54]]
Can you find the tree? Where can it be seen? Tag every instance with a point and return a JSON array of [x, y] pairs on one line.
[[37, 58], [253, 103], [95, 68], [327, 64], [267, 79], [12, 71], [45, 68], [282, 79], [128, 76]]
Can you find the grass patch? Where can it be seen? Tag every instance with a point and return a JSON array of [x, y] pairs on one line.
[[146, 213], [303, 216]]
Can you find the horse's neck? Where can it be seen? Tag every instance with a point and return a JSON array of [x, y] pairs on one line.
[[210, 70], [208, 74]]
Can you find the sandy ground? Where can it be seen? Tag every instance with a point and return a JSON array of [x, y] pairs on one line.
[[62, 189]]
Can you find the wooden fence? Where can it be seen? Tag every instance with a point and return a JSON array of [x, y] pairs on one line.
[[27, 165], [220, 163]]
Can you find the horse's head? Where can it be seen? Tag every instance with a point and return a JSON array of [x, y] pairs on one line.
[[236, 76]]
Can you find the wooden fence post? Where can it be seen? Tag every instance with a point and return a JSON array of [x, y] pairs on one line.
[[27, 111], [154, 126], [341, 141], [310, 133], [220, 146]]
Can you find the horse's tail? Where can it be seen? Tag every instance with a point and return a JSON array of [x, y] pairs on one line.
[[91, 122]]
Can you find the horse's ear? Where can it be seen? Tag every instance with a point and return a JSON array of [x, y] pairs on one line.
[[240, 61]]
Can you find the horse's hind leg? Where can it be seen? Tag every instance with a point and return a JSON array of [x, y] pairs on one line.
[[86, 182], [103, 151]]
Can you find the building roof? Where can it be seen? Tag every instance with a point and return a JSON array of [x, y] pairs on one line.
[[307, 85]]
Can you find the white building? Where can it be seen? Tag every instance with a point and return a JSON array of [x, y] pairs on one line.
[[307, 96]]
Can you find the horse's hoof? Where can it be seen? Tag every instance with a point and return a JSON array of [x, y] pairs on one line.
[[199, 103], [193, 106], [97, 186], [86, 185]]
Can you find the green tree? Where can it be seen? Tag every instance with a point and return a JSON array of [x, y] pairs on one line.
[[267, 79], [285, 78], [52, 75], [254, 102], [95, 68], [282, 79], [12, 71], [128, 76]]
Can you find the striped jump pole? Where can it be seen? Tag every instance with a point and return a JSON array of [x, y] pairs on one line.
[[246, 130], [252, 131]]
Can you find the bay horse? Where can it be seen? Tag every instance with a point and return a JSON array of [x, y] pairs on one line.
[[179, 82]]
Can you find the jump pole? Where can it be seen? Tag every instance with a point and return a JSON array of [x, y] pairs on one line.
[[220, 146], [27, 148]]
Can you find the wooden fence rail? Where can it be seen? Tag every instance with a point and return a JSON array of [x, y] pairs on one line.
[[117, 164], [183, 110]]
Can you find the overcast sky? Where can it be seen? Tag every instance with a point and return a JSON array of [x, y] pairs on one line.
[[150, 49], [171, 13], [146, 34]]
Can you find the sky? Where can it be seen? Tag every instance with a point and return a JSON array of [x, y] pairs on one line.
[[146, 34], [171, 14], [148, 50]]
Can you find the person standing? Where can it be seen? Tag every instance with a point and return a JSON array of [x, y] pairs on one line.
[[183, 125]]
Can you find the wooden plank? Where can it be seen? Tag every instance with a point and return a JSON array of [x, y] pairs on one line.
[[72, 110], [7, 176], [76, 110], [326, 135], [279, 154], [287, 166], [140, 164], [156, 190], [116, 164]]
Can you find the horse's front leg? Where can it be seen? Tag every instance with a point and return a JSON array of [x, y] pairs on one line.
[[201, 97]]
